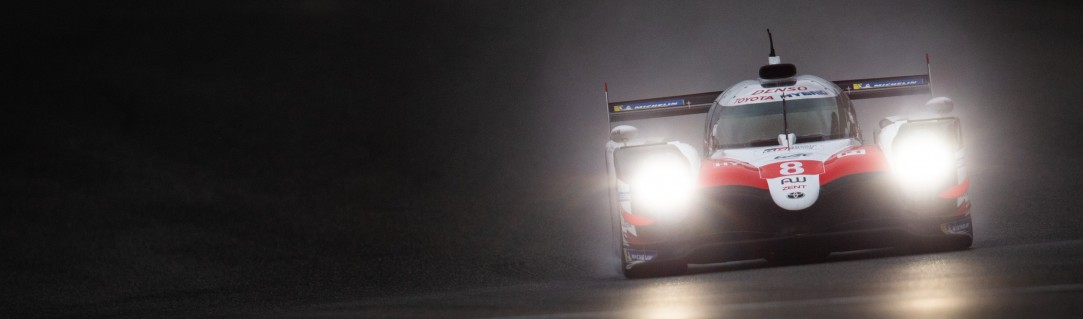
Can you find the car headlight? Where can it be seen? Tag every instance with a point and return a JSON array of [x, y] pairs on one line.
[[663, 184], [923, 161]]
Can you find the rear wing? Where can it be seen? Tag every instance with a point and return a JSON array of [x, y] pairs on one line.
[[661, 106], [885, 87], [701, 102]]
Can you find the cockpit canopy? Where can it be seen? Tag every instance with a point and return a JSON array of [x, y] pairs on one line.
[[750, 114]]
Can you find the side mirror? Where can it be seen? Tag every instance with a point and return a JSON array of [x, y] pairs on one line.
[[623, 133], [940, 105]]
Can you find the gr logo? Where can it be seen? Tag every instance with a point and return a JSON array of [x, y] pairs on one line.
[[789, 180]]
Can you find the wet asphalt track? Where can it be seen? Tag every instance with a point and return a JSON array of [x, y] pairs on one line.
[[1025, 262], [1040, 279], [328, 159]]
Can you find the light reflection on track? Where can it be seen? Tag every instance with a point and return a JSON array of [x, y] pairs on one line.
[[997, 281], [671, 300], [930, 287]]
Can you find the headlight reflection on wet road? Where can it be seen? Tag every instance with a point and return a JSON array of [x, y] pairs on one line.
[[679, 299], [932, 286], [869, 284]]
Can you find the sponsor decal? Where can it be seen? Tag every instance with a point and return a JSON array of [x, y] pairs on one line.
[[741, 100], [795, 147], [957, 227], [780, 90], [809, 93], [851, 152], [775, 94], [790, 180], [798, 193], [647, 105], [631, 255], [887, 84], [792, 156]]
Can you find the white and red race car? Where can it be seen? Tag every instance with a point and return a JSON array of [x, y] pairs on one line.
[[785, 175]]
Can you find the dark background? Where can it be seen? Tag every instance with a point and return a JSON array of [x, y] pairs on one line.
[[207, 158]]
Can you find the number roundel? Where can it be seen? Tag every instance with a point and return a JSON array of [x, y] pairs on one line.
[[791, 168], [802, 167]]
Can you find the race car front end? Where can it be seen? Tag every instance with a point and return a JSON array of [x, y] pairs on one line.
[[785, 175], [849, 205]]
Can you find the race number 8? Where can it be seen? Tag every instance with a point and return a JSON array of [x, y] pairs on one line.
[[791, 168]]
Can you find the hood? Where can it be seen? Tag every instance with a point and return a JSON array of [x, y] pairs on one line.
[[793, 175]]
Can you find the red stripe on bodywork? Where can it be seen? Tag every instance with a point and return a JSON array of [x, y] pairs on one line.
[[726, 172], [963, 209], [836, 167], [635, 220], [957, 190]]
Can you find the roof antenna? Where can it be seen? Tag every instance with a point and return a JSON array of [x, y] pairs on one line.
[[772, 58]]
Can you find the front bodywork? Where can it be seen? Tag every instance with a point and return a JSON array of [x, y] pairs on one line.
[[832, 194]]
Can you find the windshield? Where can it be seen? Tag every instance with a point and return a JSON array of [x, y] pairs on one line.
[[760, 124]]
